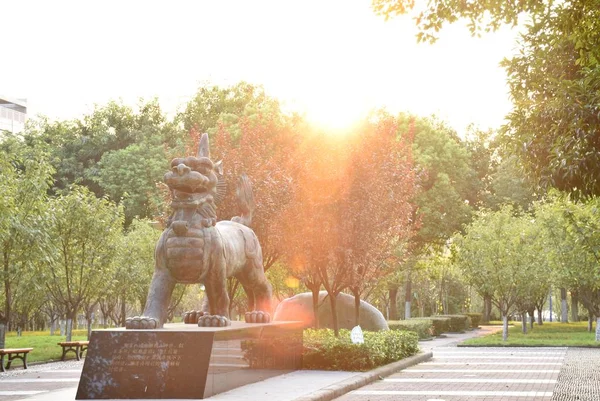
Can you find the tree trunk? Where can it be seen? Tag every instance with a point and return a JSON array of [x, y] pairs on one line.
[[334, 317], [356, 306], [524, 322], [7, 292], [574, 306], [408, 297], [564, 310], [393, 303], [232, 287], [315, 292], [89, 317], [540, 316], [504, 327], [530, 312], [590, 324], [2, 333], [53, 321], [487, 308], [71, 316], [123, 310]]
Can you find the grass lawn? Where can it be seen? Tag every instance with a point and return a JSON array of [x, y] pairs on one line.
[[549, 334], [44, 345]]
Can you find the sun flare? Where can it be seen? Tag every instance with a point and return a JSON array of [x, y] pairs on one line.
[[337, 117]]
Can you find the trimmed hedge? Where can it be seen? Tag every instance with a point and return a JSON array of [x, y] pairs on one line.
[[323, 351], [424, 328], [475, 319], [458, 323], [440, 324]]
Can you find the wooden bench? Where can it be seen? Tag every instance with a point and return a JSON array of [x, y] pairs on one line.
[[78, 347], [13, 353]]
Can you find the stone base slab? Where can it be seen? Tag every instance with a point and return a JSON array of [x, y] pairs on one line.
[[186, 361]]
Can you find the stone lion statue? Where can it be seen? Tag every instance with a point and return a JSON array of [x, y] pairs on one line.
[[195, 248]]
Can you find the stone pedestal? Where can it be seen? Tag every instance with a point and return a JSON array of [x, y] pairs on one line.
[[186, 361]]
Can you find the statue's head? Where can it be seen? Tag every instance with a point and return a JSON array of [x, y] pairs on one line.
[[191, 175]]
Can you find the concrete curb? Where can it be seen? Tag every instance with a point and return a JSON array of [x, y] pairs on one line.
[[337, 390]]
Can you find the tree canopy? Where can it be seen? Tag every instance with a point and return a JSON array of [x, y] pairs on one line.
[[554, 80]]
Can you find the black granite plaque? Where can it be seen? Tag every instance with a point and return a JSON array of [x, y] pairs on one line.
[[145, 364], [187, 361]]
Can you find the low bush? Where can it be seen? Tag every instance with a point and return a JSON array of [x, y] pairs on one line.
[[475, 319], [323, 350], [440, 324], [458, 323], [424, 328]]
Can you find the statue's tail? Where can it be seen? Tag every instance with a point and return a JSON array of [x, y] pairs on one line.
[[245, 201]]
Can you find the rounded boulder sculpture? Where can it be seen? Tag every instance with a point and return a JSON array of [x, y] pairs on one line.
[[300, 308]]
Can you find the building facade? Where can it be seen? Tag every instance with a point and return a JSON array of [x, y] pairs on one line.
[[13, 114]]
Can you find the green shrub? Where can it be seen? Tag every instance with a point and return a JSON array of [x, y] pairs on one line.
[[424, 328], [458, 323], [440, 324], [475, 319], [271, 352], [322, 350]]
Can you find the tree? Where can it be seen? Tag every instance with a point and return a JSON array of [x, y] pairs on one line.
[[508, 186], [574, 228], [443, 288], [554, 80], [481, 16], [503, 255], [447, 190], [312, 223], [134, 265], [213, 106], [350, 207], [115, 151], [446, 179], [131, 175], [376, 209], [25, 177], [85, 233]]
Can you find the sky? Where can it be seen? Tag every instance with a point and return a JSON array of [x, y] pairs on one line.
[[331, 60]]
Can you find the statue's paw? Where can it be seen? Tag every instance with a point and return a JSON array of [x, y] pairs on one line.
[[141, 323], [192, 317], [258, 316], [213, 321]]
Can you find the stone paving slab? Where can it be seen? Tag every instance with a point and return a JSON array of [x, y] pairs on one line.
[[453, 375], [459, 387], [447, 397]]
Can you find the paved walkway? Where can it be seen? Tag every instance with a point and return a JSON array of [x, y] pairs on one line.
[[58, 381], [486, 374], [453, 374], [472, 374]]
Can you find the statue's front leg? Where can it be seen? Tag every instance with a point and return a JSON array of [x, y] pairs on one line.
[[218, 299], [159, 295]]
